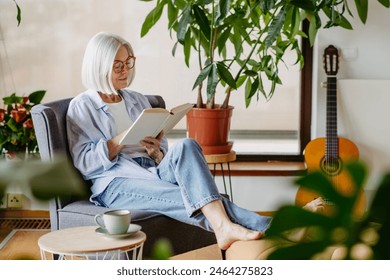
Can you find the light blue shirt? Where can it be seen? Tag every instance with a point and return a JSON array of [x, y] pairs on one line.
[[90, 125]]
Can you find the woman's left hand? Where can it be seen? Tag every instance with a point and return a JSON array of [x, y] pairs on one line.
[[153, 147]]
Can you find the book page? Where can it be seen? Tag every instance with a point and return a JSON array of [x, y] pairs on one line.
[[149, 123], [177, 114]]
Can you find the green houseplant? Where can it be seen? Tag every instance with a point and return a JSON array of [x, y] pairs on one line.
[[363, 238], [17, 135], [241, 43]]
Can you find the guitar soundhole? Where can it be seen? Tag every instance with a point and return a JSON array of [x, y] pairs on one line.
[[331, 166]]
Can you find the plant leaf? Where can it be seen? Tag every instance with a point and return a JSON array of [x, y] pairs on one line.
[[13, 125], [300, 251], [152, 18], [172, 15], [336, 19], [297, 217], [162, 249], [380, 214], [202, 76], [57, 178], [202, 20], [221, 41], [45, 179], [241, 80], [385, 3], [212, 81], [225, 75], [362, 8], [37, 96], [320, 183], [248, 87], [187, 48], [174, 48], [19, 13], [185, 20], [9, 100], [275, 28], [304, 4], [222, 11], [251, 92], [313, 29], [265, 6]]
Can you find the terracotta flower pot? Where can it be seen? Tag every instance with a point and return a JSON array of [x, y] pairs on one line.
[[210, 128]]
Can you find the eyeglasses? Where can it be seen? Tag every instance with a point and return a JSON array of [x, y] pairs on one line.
[[120, 65]]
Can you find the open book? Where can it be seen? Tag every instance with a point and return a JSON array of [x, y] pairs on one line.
[[152, 121]]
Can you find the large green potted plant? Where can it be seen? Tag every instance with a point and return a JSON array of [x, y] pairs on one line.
[[240, 43]]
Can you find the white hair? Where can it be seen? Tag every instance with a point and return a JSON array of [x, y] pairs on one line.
[[98, 62]]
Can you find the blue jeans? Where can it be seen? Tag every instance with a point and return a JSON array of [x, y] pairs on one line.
[[185, 186]]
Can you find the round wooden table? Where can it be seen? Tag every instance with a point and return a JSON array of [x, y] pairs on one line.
[[84, 242], [223, 159]]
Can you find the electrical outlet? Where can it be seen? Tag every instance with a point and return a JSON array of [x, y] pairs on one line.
[[3, 201], [15, 200]]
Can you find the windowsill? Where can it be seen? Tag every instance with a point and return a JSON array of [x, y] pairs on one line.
[[285, 145], [270, 168]]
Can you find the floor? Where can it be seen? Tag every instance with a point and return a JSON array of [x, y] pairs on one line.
[[211, 252], [24, 245]]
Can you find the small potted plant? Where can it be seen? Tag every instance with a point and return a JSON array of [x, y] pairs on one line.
[[17, 135], [240, 44]]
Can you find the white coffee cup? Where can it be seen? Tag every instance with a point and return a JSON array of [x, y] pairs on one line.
[[114, 221]]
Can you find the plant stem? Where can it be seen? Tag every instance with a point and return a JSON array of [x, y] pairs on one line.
[[225, 103], [211, 102], [199, 100]]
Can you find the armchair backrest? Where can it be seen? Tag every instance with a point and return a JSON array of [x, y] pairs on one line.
[[50, 128]]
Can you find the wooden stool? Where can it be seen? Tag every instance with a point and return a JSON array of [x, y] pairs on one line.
[[221, 159]]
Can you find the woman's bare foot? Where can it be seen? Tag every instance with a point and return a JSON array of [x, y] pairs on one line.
[[225, 230], [229, 233]]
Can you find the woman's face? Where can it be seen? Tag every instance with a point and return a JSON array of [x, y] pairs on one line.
[[120, 74]]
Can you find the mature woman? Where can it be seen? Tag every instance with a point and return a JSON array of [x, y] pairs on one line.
[[175, 182]]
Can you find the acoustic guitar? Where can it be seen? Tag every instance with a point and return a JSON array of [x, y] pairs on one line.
[[329, 154]]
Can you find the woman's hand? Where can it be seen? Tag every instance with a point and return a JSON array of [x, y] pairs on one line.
[[113, 147], [153, 147]]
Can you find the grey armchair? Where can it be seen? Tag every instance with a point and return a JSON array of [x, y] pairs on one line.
[[50, 127]]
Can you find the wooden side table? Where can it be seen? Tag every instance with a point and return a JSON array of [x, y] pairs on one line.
[[84, 242], [223, 159]]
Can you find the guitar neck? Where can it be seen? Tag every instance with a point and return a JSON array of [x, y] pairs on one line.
[[331, 119]]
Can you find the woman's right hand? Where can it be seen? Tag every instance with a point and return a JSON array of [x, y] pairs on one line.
[[114, 148]]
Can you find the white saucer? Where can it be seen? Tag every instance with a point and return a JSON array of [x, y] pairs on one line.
[[133, 228]]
